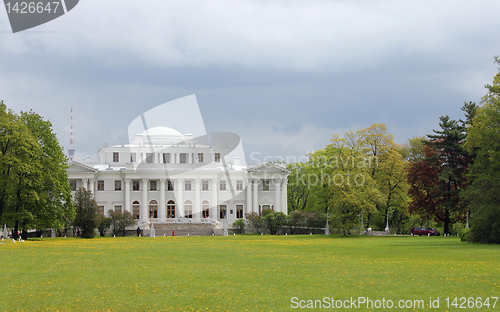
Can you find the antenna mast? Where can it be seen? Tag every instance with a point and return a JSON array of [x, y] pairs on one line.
[[71, 150]]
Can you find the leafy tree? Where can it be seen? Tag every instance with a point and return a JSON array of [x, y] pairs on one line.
[[274, 221], [413, 150], [393, 186], [54, 208], [298, 190], [483, 141], [104, 224], [424, 187], [87, 213], [239, 224], [34, 192], [120, 220], [256, 222]]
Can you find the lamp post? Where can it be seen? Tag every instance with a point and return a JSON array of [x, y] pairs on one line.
[[387, 223], [327, 229]]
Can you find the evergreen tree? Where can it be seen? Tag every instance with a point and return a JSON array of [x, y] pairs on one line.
[[87, 213]]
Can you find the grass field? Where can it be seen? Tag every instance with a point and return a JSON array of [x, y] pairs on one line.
[[241, 273]]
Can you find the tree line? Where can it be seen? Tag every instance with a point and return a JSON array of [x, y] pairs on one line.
[[450, 176]]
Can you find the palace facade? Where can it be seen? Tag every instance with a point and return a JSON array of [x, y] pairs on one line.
[[163, 176]]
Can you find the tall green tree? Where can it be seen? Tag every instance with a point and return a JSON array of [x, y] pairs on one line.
[[54, 208], [20, 170], [483, 140], [393, 186], [34, 190]]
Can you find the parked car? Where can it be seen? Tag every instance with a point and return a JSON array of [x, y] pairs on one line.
[[425, 231]]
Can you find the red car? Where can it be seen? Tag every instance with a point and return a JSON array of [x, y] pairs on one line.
[[425, 231]]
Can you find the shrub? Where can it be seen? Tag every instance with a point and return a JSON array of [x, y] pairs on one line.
[[119, 221], [256, 221], [239, 224], [464, 235], [105, 223]]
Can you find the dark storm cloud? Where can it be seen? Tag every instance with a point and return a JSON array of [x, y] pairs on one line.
[[285, 76]]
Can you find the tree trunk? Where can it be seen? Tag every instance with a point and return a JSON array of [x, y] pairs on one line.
[[16, 229], [446, 221]]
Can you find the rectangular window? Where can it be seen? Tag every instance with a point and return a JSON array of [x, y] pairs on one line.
[[118, 208], [187, 185], [116, 157], [239, 211], [265, 185], [204, 185], [239, 185], [135, 185], [222, 185], [133, 157], [152, 185], [170, 185], [166, 158], [222, 211], [100, 185], [200, 157], [217, 157], [150, 158], [101, 210], [183, 158], [118, 185], [72, 184]]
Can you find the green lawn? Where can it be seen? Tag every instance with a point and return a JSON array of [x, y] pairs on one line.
[[240, 273]]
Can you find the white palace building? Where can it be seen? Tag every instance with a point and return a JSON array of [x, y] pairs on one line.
[[163, 176]]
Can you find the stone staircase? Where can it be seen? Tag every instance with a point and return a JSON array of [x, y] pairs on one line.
[[183, 229]]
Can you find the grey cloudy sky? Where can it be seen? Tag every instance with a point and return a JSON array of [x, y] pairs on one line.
[[284, 75]]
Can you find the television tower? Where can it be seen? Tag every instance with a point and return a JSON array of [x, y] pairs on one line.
[[71, 150]]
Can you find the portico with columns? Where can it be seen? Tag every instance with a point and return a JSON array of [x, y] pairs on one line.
[[166, 177]]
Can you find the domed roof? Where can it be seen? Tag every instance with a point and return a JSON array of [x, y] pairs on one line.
[[162, 132]]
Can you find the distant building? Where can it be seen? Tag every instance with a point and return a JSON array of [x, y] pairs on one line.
[[163, 176]]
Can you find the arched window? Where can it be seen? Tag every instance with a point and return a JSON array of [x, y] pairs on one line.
[[188, 209], [153, 209], [205, 206], [171, 209], [136, 207]]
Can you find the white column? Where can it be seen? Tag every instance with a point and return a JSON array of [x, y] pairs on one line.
[[277, 195], [127, 195], [85, 184], [179, 186], [145, 204], [92, 186], [214, 214], [284, 197], [248, 206], [255, 196], [162, 208], [197, 204]]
